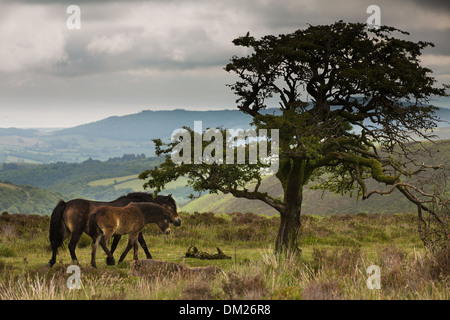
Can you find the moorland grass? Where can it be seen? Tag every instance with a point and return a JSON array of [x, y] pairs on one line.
[[336, 252]]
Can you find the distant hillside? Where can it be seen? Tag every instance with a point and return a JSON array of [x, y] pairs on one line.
[[22, 188], [27, 199], [72, 179], [129, 134], [316, 201], [148, 125], [110, 137]]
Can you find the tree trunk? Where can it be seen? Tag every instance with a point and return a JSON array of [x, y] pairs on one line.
[[290, 218], [288, 232]]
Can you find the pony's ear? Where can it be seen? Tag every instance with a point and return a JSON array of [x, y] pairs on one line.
[[169, 195]]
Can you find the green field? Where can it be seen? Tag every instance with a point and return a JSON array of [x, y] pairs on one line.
[[125, 182], [336, 252], [133, 182]]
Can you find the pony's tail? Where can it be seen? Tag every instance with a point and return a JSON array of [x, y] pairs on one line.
[[57, 226]]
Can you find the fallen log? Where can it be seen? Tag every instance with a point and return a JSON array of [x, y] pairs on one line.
[[193, 252]]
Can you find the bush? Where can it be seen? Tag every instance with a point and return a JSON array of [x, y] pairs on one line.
[[85, 241], [342, 260], [322, 290], [435, 267], [198, 290], [392, 262], [207, 218], [6, 252], [248, 287]]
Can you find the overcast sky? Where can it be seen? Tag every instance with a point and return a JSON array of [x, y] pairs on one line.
[[130, 56]]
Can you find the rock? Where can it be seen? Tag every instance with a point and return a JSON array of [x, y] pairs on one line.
[[153, 268]]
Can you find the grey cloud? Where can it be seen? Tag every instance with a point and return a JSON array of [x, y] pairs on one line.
[[171, 54], [435, 5]]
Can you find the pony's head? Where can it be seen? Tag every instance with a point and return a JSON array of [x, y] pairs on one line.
[[164, 225], [171, 214]]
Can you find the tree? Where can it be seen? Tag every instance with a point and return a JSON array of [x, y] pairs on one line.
[[352, 103]]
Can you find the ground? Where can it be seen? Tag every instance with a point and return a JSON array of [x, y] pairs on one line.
[[336, 252]]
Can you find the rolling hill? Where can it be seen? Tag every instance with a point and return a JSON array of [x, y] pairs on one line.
[[314, 202], [129, 134], [27, 199], [110, 137], [72, 180]]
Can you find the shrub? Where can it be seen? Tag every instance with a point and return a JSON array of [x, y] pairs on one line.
[[6, 252], [434, 266], [392, 262], [207, 218], [197, 290], [8, 230], [342, 261], [246, 286], [85, 241], [322, 290]]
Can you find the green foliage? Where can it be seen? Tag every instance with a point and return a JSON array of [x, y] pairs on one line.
[[343, 68], [27, 199], [6, 252]]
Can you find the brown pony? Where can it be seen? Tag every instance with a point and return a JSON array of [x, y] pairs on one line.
[[107, 221], [72, 218]]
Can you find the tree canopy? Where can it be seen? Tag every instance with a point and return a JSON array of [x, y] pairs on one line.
[[352, 100]]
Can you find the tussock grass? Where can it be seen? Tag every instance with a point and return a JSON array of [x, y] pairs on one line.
[[336, 252]]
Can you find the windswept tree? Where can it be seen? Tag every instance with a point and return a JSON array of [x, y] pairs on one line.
[[352, 102]]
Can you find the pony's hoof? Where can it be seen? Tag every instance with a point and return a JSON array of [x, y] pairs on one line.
[[75, 262], [110, 261]]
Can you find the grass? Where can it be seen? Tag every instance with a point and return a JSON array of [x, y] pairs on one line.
[[336, 252]]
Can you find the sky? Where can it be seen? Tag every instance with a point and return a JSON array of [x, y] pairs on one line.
[[130, 56]]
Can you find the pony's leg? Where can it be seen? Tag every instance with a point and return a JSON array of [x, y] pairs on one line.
[[116, 240], [144, 245], [125, 252], [136, 248], [94, 249], [76, 234], [52, 261], [109, 259], [132, 242]]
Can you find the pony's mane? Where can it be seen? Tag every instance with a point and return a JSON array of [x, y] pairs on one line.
[[140, 196], [148, 197]]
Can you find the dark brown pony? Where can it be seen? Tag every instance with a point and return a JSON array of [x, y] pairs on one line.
[[107, 221], [72, 218]]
